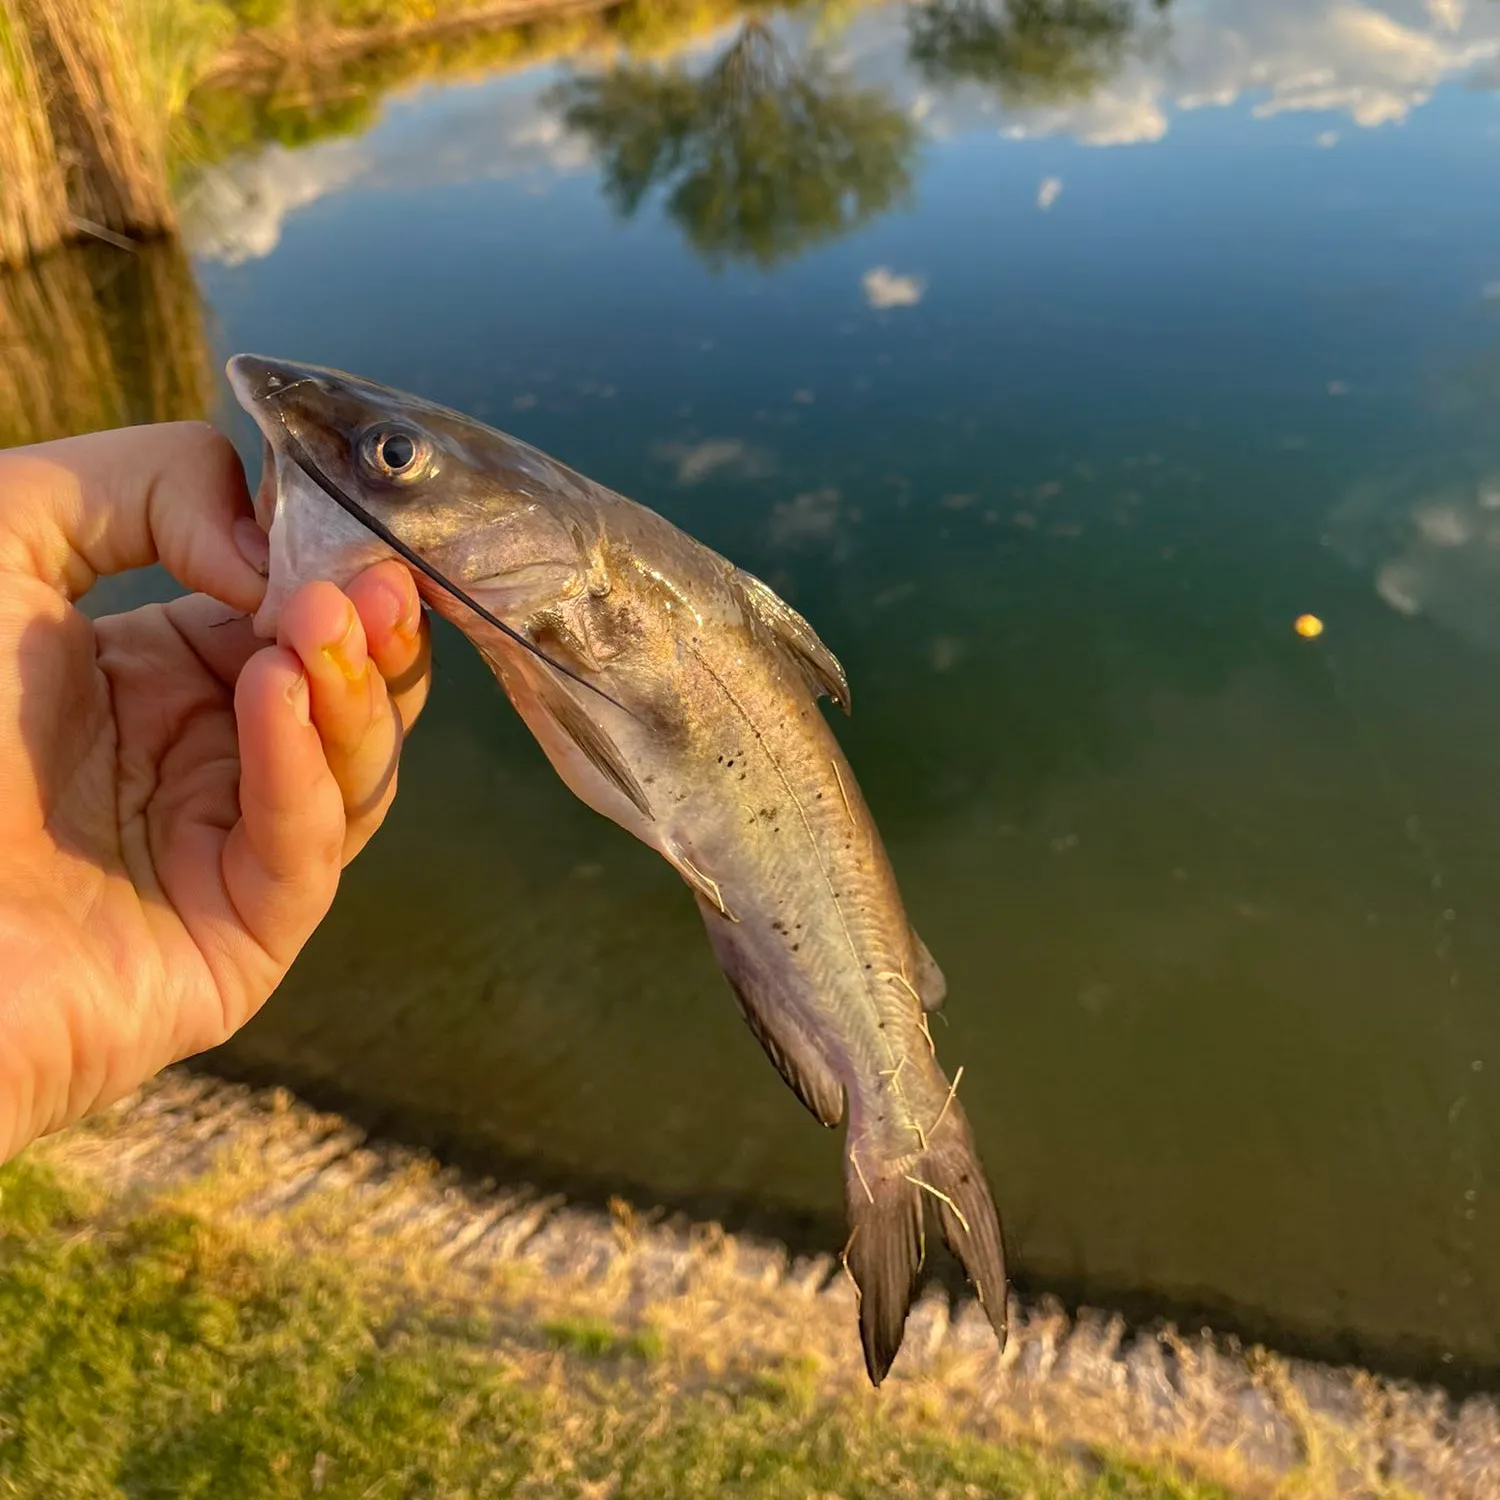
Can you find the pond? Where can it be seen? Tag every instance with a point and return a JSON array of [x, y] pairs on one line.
[[1053, 357]]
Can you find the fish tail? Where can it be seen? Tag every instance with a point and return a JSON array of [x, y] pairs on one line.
[[887, 1200]]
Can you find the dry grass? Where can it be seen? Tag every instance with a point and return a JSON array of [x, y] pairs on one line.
[[715, 1317], [33, 207], [87, 139], [151, 1345], [90, 95]]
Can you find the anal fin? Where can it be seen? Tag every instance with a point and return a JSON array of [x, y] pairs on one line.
[[795, 1052], [800, 1064], [930, 983]]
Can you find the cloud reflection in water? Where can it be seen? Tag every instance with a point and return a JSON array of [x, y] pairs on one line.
[[946, 67]]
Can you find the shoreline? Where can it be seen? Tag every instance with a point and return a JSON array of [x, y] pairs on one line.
[[255, 54], [127, 195], [1243, 1416], [803, 1232]]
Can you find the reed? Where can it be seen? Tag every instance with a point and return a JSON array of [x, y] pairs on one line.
[[94, 337], [34, 206], [89, 92]]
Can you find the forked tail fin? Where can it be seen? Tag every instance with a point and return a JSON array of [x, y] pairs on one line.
[[887, 1201]]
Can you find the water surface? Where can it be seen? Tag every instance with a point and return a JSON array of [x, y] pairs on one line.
[[1052, 359]]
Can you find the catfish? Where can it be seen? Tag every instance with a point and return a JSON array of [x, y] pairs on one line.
[[677, 695]]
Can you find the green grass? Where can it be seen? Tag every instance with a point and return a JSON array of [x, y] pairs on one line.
[[151, 1352], [596, 1338]]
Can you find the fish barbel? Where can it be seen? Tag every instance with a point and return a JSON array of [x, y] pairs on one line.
[[676, 695]]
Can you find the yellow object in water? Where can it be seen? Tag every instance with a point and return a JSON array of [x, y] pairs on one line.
[[1309, 627]]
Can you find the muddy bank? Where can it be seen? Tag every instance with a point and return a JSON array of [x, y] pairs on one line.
[[1244, 1416]]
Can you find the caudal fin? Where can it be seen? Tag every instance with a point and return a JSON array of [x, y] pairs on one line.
[[887, 1203]]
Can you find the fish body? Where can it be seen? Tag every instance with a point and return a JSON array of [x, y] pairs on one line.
[[676, 695]]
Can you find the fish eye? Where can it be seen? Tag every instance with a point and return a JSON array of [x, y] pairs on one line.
[[394, 453], [397, 452]]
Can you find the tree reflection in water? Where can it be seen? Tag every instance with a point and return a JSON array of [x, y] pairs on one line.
[[760, 157], [1029, 51]]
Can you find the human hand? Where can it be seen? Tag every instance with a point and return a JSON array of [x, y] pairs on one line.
[[177, 798]]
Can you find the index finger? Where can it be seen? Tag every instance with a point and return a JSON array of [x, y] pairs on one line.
[[171, 493]]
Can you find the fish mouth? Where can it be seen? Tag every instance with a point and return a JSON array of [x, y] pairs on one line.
[[256, 380], [260, 385]]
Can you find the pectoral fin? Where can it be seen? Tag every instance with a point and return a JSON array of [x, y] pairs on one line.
[[705, 885], [593, 742], [797, 639]]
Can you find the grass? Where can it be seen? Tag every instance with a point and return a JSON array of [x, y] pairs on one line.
[[91, 89], [148, 1349], [597, 1338], [33, 209]]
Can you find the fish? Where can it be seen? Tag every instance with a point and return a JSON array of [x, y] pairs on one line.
[[677, 695]]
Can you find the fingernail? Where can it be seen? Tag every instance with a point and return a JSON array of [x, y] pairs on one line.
[[253, 545], [402, 608], [298, 696], [349, 653]]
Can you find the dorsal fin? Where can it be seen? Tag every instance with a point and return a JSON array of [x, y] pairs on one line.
[[797, 638]]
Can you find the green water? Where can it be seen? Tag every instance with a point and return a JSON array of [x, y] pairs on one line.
[[1052, 358]]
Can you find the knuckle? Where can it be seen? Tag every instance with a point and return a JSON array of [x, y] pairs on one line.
[[206, 435], [326, 843], [209, 446], [259, 673]]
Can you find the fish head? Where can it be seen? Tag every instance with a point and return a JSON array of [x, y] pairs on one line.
[[356, 472]]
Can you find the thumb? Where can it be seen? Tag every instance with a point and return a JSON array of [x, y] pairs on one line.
[[173, 493]]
